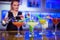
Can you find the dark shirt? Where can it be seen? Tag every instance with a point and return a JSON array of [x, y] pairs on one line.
[[11, 26]]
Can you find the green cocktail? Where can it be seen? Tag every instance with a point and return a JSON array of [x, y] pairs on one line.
[[31, 26]]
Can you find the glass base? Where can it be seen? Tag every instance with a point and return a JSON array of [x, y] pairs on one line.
[[31, 35], [54, 33], [41, 33], [18, 35]]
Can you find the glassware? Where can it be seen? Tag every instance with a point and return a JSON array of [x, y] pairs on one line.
[[31, 27], [18, 24], [42, 22], [55, 21]]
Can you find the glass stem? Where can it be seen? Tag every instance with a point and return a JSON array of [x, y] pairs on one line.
[[42, 32], [55, 31], [55, 27], [42, 29], [32, 30], [18, 30]]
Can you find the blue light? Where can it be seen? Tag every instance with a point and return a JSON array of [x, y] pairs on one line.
[[36, 35], [3, 13], [53, 4], [49, 34], [58, 15], [26, 35], [29, 4]]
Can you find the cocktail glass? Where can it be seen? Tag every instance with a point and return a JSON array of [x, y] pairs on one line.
[[31, 27], [18, 24], [55, 21], [42, 22]]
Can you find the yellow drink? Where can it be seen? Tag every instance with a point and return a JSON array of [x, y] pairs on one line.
[[42, 21]]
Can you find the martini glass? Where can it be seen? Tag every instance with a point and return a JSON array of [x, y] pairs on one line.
[[31, 27], [18, 24], [42, 22], [55, 21]]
